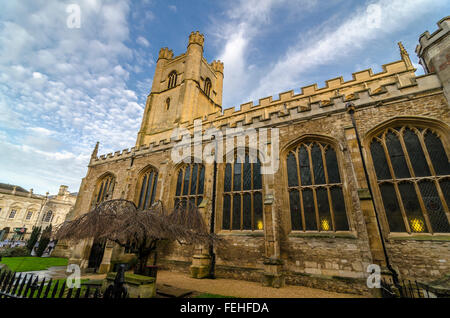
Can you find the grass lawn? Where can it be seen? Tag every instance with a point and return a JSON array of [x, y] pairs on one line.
[[27, 264]]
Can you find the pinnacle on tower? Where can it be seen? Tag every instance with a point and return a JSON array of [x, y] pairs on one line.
[[217, 66], [405, 56], [95, 151], [196, 38], [165, 53]]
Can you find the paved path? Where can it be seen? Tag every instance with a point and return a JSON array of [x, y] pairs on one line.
[[244, 289]]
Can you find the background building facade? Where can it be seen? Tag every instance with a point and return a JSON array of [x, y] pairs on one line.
[[21, 210], [314, 221]]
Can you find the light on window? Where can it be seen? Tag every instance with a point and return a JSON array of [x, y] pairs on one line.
[[324, 225], [417, 225], [260, 225]]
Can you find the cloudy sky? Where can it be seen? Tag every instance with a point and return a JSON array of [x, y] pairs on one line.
[[63, 88]]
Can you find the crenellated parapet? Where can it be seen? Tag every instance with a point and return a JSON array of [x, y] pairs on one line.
[[427, 39], [196, 38], [165, 53], [288, 108], [217, 66]]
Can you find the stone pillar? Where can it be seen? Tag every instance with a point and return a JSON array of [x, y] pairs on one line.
[[365, 199], [105, 265], [201, 260], [273, 265]]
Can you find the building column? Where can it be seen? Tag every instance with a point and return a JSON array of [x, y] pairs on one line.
[[365, 199], [273, 275]]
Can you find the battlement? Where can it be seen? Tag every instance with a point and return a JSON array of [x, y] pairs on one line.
[[165, 53], [196, 38], [217, 66], [287, 109], [426, 39]]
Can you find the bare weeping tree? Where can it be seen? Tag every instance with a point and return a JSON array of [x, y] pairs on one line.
[[139, 230]]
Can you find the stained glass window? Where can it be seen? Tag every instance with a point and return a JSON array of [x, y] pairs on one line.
[[190, 181], [415, 198], [148, 182], [317, 201]]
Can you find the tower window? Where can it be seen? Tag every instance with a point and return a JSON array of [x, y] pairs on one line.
[[167, 103], [172, 79], [208, 87]]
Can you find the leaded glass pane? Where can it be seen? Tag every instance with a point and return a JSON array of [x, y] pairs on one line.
[[445, 187], [149, 188], [379, 161], [257, 179], [237, 177], [392, 208], [292, 170], [340, 216], [397, 156], [227, 181], [247, 213], [305, 172], [415, 153], [437, 154], [325, 223], [155, 182], [332, 166], [433, 205], [317, 162], [179, 182], [247, 175], [412, 207], [201, 180], [236, 212], [258, 213], [141, 193], [226, 212], [194, 179], [187, 177], [309, 211], [296, 216]]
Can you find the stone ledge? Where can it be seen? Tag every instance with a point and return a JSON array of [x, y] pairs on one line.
[[349, 235], [251, 234], [439, 238]]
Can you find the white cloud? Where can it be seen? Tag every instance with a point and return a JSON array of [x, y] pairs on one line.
[[173, 8], [142, 41]]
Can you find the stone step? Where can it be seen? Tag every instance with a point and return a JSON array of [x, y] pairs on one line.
[[164, 290]]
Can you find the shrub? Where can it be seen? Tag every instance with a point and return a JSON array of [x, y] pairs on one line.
[[15, 252], [33, 237], [44, 240]]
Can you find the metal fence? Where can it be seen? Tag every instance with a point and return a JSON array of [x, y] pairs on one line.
[[18, 285], [405, 289]]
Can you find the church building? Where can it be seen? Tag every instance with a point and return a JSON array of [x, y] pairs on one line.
[[363, 173]]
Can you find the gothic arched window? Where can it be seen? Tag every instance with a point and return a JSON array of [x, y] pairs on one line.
[[242, 195], [316, 197], [208, 87], [190, 183], [147, 182], [172, 79], [48, 216], [413, 177], [105, 189]]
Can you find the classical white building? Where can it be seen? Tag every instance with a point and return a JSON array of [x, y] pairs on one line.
[[21, 210]]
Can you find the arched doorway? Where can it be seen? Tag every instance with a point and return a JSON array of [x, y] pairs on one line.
[[96, 255]]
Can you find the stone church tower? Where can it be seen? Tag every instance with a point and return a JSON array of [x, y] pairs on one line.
[[184, 88]]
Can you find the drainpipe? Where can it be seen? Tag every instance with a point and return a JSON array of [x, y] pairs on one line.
[[351, 110]]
